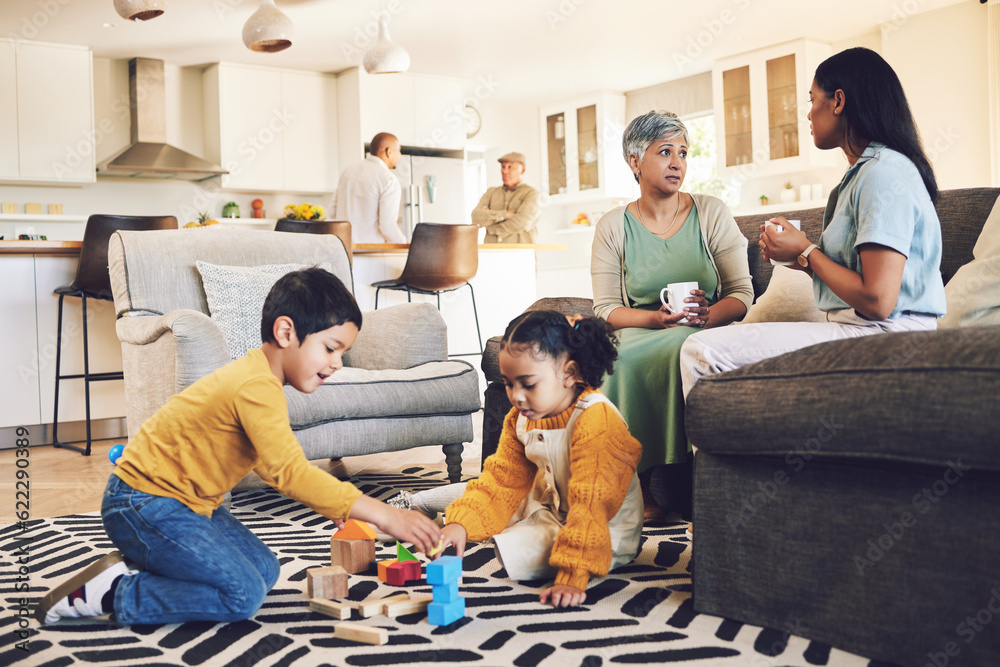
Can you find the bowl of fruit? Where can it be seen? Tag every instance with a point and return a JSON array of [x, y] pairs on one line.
[[203, 221]]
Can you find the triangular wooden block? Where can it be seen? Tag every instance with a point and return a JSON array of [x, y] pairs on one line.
[[402, 553], [355, 530]]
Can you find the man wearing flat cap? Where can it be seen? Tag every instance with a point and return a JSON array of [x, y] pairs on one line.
[[509, 212]]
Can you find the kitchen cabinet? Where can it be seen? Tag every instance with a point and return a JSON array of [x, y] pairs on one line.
[[46, 113], [274, 130], [421, 110], [581, 148], [761, 105]]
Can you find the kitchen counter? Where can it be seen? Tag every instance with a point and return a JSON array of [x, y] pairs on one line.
[[369, 248], [40, 247]]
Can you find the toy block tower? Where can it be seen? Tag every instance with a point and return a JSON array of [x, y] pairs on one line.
[[448, 606], [353, 546]]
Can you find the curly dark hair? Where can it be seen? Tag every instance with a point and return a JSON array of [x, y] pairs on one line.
[[591, 342]]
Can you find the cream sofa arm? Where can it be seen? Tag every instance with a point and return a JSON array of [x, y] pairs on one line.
[[399, 337], [161, 355]]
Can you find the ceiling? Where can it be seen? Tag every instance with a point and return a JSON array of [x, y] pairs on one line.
[[527, 50]]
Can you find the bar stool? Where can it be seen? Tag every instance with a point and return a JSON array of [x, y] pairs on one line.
[[442, 258], [93, 281], [339, 228]]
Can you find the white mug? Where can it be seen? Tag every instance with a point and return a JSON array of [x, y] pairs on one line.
[[793, 223], [672, 297]]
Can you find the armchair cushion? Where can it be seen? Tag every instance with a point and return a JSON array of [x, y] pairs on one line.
[[236, 295], [402, 336]]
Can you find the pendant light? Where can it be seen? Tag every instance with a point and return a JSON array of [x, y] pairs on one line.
[[384, 57], [140, 10], [268, 30]]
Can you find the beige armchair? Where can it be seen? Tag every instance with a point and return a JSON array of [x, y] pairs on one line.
[[398, 388]]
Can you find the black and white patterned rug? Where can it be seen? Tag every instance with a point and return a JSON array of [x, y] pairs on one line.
[[639, 614]]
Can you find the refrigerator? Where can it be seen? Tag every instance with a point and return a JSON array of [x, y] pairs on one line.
[[433, 191]]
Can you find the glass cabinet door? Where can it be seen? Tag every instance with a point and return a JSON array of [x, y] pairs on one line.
[[586, 132], [556, 138], [736, 103], [782, 108]]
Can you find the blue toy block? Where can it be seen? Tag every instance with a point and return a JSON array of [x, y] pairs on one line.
[[445, 614], [444, 570], [445, 593]]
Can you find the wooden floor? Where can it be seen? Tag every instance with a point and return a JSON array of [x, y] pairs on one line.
[[63, 482]]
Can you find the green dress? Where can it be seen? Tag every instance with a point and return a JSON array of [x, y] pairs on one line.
[[646, 383]]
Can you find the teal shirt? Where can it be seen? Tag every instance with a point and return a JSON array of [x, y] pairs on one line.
[[882, 200], [652, 263]]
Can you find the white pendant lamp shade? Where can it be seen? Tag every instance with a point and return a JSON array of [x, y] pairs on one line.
[[268, 30], [384, 57], [140, 10]]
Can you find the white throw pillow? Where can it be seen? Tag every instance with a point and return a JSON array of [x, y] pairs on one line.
[[973, 293], [236, 295], [788, 298]]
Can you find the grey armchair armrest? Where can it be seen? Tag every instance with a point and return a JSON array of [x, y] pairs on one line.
[[161, 355]]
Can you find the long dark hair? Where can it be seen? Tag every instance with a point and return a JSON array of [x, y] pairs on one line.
[[590, 342], [876, 107]]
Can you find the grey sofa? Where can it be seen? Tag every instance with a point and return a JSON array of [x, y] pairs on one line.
[[848, 492], [397, 390]]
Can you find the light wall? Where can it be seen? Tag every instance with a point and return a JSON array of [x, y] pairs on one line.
[[508, 127], [941, 59]]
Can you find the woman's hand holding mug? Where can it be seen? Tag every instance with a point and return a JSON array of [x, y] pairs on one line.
[[683, 304]]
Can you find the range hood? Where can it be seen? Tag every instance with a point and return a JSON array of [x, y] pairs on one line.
[[149, 155]]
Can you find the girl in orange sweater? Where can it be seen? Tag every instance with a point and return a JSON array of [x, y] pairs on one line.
[[560, 496]]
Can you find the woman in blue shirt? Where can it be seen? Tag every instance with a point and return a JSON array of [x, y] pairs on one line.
[[876, 267]]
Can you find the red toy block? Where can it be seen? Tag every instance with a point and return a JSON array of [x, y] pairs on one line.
[[401, 573]]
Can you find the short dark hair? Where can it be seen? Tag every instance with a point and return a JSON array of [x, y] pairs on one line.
[[313, 298], [876, 107], [591, 342]]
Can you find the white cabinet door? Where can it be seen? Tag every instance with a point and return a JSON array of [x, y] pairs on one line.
[[309, 136], [8, 111], [55, 112], [19, 362], [251, 123], [387, 105], [437, 113]]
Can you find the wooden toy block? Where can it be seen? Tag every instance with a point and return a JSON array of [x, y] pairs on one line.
[[445, 593], [373, 605], [336, 610], [55, 209], [326, 582], [8, 207], [33, 209], [383, 568], [401, 573], [438, 549], [411, 606], [352, 555], [402, 553], [358, 632], [445, 614], [444, 570], [355, 530]]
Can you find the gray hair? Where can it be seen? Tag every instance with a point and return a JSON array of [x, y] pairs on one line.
[[649, 127]]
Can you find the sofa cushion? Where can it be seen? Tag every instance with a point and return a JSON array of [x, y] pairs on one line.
[[235, 296], [436, 388], [918, 397], [788, 298], [973, 293]]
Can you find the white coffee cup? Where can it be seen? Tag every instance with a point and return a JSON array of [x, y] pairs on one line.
[[793, 223], [672, 297]]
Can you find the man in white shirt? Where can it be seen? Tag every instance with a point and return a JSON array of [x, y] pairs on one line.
[[368, 194]]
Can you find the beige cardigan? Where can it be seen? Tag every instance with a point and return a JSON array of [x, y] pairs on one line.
[[727, 248]]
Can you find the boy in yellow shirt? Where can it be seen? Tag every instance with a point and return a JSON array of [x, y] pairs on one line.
[[163, 504]]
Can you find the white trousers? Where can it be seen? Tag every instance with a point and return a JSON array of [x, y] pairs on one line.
[[726, 348]]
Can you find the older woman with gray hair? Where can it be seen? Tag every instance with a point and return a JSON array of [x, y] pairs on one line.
[[665, 236]]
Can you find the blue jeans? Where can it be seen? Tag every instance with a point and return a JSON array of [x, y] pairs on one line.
[[194, 568]]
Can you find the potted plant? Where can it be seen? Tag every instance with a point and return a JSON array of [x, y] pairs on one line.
[[305, 211], [788, 194], [763, 200]]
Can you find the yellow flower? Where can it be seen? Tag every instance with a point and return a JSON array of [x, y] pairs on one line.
[[304, 211]]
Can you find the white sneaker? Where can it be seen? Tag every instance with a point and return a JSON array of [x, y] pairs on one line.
[[81, 594]]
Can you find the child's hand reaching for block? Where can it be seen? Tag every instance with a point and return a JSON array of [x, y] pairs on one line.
[[405, 525], [455, 535], [561, 595]]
